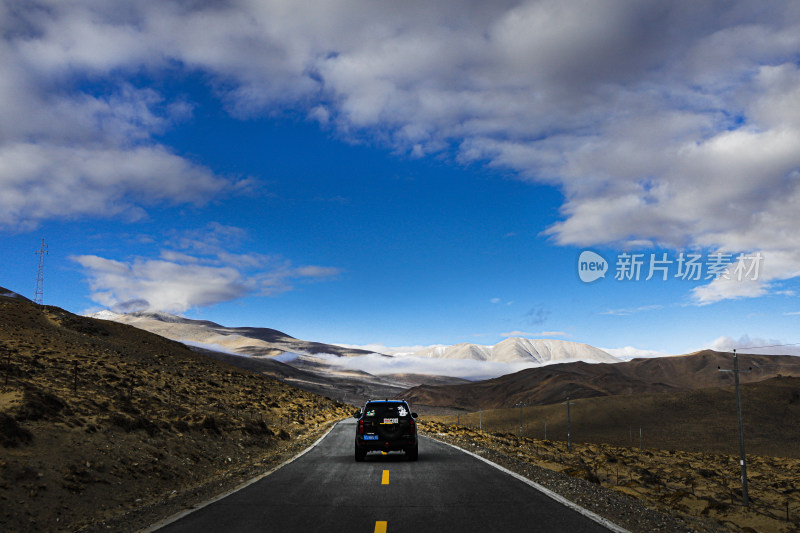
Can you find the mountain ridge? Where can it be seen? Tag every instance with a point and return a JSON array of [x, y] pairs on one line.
[[553, 383], [244, 341], [521, 349]]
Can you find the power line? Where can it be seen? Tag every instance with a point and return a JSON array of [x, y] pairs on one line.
[[768, 346]]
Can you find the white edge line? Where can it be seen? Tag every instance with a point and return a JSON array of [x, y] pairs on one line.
[[557, 497], [182, 514]]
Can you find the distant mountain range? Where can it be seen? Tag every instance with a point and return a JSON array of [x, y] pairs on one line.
[[266, 342], [277, 354], [518, 349], [553, 383], [567, 368], [261, 342], [309, 365]]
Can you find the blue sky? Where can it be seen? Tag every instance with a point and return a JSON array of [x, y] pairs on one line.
[[425, 176]]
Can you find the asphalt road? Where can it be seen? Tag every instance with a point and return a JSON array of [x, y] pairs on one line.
[[326, 490]]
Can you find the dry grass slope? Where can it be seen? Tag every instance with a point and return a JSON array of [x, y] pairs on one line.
[[701, 420], [702, 489], [104, 424], [551, 384]]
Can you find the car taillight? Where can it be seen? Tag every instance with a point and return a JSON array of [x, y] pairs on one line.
[[411, 423], [360, 427]]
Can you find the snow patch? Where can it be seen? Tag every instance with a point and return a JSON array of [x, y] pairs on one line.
[[212, 346], [105, 314], [519, 350]]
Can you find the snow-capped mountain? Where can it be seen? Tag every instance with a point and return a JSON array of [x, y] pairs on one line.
[[264, 342], [518, 349]]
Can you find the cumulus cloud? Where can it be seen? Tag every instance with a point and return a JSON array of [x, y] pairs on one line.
[[41, 181], [184, 279], [671, 124], [163, 285]]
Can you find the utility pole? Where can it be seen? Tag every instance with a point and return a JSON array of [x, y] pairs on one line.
[[569, 429], [742, 456], [38, 293], [520, 405]]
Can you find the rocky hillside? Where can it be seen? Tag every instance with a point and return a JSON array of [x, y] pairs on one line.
[[106, 426]]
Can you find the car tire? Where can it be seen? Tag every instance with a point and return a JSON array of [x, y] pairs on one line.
[[413, 453], [360, 455]]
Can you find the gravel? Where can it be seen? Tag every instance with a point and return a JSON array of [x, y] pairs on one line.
[[626, 512]]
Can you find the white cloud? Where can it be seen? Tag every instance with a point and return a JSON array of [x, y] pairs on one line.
[[39, 181], [408, 364], [627, 353], [674, 124], [775, 266], [626, 311], [757, 345], [161, 285], [189, 278]]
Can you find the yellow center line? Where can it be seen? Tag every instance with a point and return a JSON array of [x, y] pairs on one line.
[[380, 527], [385, 479]]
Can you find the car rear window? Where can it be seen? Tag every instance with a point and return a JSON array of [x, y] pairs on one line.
[[386, 410]]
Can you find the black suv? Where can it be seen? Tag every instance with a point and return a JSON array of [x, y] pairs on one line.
[[386, 425]]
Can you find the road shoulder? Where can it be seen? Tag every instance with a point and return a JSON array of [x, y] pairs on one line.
[[612, 509]]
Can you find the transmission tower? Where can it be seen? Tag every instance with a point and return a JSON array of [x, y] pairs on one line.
[[38, 294]]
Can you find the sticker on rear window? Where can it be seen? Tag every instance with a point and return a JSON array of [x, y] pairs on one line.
[[402, 411]]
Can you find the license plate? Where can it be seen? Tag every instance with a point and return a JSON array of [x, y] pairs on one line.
[[370, 437], [390, 421]]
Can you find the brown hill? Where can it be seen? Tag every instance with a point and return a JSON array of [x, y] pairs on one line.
[[702, 420], [552, 383], [111, 427], [350, 387], [11, 294]]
